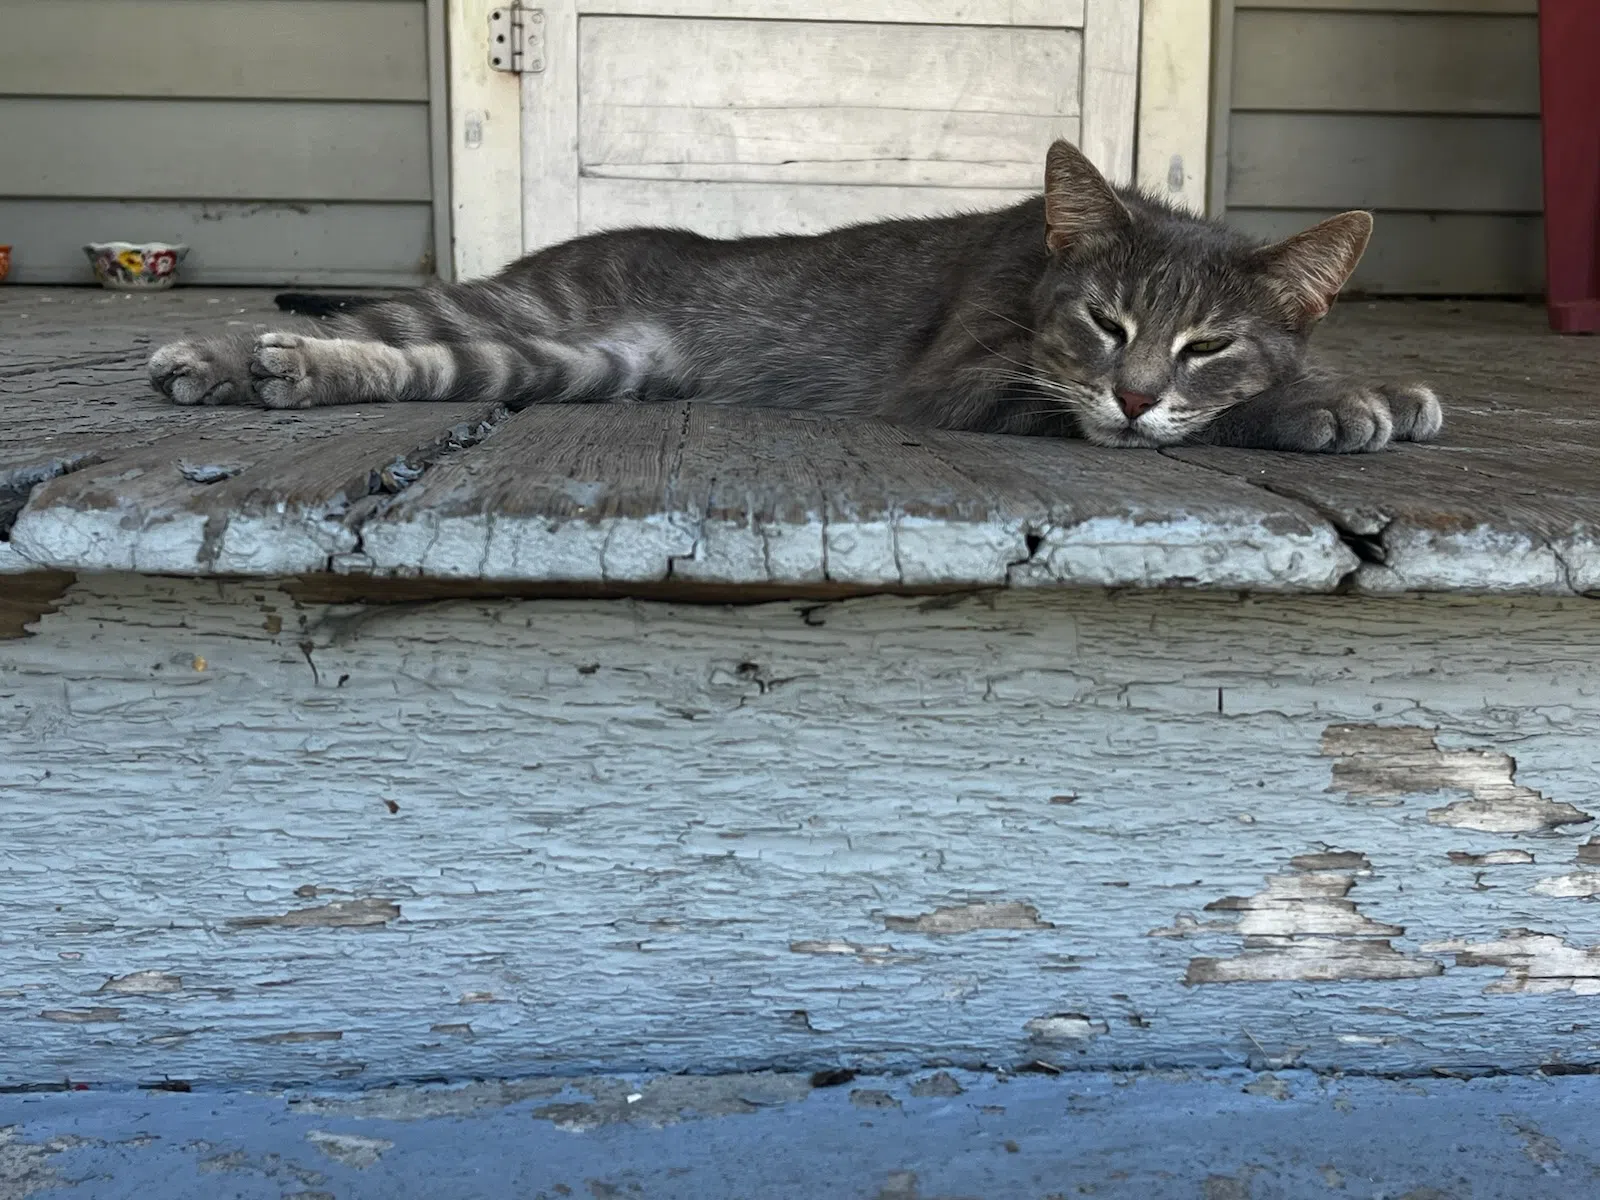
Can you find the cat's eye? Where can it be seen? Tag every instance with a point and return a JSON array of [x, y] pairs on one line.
[[1109, 325], [1208, 345]]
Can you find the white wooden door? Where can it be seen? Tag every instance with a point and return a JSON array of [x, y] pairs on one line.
[[756, 116]]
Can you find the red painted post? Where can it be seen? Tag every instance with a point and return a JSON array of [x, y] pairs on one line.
[[1569, 93]]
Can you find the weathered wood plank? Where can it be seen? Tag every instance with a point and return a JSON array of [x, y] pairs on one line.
[[253, 494], [885, 832], [615, 494], [245, 50], [1386, 63], [819, 102]]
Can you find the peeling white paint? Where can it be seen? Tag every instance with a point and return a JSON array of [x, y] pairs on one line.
[[492, 836]]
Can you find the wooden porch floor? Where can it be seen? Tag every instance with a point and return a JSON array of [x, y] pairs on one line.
[[97, 472]]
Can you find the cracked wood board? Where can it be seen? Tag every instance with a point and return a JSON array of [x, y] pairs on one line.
[[277, 499], [723, 495], [1508, 500], [487, 837]]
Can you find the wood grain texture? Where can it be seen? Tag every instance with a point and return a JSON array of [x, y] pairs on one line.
[[884, 833], [242, 50], [1386, 62], [633, 493], [824, 102]]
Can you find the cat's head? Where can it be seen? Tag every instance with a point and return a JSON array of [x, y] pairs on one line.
[[1151, 322]]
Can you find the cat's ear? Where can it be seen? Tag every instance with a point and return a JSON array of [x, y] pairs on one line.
[[1079, 205], [1308, 269]]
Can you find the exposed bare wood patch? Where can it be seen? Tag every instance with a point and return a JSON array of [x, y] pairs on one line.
[[296, 1036], [1575, 885], [1535, 963], [1490, 858], [82, 1016], [876, 955], [966, 918], [27, 597], [1589, 852], [339, 914], [143, 983], [350, 1149], [1393, 761], [1064, 1027], [1303, 926]]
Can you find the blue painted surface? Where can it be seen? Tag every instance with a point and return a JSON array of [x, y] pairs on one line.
[[1194, 1136]]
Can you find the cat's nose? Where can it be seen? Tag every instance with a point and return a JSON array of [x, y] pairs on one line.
[[1133, 403]]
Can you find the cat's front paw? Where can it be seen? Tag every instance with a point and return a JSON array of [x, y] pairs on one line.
[[199, 373], [1353, 420], [281, 373], [1415, 410]]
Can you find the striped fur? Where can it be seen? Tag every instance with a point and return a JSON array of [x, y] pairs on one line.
[[1042, 318]]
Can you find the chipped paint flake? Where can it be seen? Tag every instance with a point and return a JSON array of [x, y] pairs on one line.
[[350, 1149], [1302, 925], [967, 918], [1064, 1027], [1491, 858], [1535, 963], [337, 915], [1383, 761]]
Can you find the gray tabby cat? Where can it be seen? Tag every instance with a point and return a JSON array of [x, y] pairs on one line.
[[1092, 311]]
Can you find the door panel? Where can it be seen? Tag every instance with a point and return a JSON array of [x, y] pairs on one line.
[[731, 117]]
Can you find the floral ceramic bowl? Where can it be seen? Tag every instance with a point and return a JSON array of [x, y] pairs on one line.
[[135, 266]]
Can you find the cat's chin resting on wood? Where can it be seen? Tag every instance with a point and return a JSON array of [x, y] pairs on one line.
[[1091, 311]]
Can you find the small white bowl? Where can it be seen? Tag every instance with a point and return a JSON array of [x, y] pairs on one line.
[[135, 266]]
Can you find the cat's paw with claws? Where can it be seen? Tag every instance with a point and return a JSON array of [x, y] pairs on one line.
[[281, 372], [205, 372]]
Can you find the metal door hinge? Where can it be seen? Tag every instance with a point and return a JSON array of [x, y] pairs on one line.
[[516, 38]]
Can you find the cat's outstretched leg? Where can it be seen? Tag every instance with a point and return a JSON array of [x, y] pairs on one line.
[[1330, 414]]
